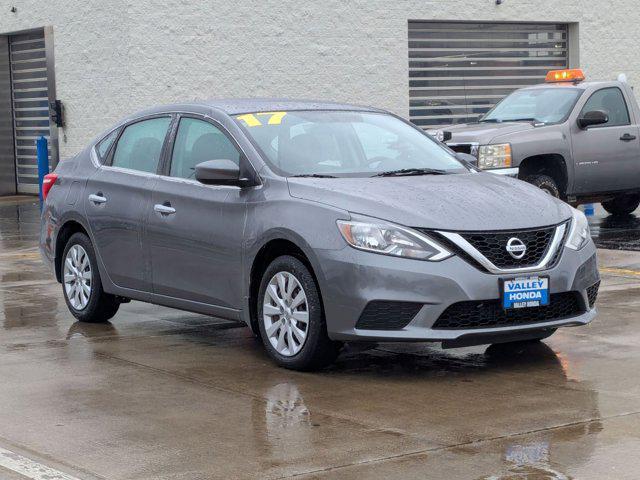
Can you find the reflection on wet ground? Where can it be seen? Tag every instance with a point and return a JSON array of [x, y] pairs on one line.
[[615, 232], [160, 393]]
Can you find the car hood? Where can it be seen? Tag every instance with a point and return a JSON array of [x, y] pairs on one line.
[[484, 133], [461, 202]]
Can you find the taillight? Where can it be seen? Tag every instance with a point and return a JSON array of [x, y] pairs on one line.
[[48, 182]]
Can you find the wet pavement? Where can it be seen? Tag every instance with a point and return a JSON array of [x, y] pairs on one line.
[[614, 232], [163, 394]]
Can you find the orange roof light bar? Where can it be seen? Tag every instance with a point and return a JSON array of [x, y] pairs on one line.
[[569, 75]]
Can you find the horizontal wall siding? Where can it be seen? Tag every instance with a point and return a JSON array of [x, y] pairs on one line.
[[458, 71]]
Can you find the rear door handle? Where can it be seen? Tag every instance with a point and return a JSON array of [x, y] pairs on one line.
[[97, 198], [627, 137], [164, 209]]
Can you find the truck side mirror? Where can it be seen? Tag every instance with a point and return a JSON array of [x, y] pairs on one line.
[[594, 117]]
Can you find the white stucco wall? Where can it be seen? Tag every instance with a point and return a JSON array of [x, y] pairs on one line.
[[115, 57]]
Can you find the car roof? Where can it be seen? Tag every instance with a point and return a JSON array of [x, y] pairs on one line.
[[235, 106]]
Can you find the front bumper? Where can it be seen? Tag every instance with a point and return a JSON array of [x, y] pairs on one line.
[[352, 279]]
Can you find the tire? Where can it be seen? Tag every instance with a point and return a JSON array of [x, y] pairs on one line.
[[622, 204], [285, 326], [96, 307], [545, 183]]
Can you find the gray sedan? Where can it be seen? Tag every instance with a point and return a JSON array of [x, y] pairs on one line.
[[316, 224]]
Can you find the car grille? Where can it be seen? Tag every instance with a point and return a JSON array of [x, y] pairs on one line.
[[385, 315], [490, 314], [493, 245], [592, 294]]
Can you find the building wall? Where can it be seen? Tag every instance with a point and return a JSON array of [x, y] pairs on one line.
[[115, 57]]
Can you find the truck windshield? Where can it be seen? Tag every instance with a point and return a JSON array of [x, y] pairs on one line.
[[543, 105], [345, 144]]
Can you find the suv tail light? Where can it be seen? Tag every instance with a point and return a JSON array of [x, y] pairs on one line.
[[48, 182]]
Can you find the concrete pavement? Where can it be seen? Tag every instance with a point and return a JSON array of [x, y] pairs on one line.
[[165, 394]]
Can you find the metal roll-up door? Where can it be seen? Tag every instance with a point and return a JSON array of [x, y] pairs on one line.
[[458, 71], [30, 95]]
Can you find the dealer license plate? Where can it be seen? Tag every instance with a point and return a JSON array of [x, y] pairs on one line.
[[525, 292]]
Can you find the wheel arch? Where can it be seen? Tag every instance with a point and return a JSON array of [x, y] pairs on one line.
[[67, 229], [552, 164], [276, 245]]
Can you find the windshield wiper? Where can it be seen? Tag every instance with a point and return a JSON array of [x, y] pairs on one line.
[[411, 171], [313, 175], [524, 120], [489, 120]]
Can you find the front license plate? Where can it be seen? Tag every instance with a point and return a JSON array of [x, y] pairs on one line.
[[525, 292]]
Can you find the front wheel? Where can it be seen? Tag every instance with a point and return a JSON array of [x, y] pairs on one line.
[[290, 316], [81, 283], [544, 183], [622, 204]]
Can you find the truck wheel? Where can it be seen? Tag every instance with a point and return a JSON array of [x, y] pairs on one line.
[[291, 319], [545, 183], [622, 204]]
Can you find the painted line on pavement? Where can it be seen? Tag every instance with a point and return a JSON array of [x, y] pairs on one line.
[[29, 468], [620, 271]]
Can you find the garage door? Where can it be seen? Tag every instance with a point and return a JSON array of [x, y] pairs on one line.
[[30, 105], [458, 71]]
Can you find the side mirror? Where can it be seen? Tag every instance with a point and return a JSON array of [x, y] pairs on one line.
[[594, 117], [446, 136], [219, 172], [467, 158]]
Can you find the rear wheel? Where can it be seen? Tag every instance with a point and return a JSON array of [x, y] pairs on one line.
[[81, 283], [622, 204], [290, 316], [544, 183]]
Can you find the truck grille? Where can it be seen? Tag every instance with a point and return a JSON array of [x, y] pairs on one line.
[[464, 148], [490, 314], [493, 245]]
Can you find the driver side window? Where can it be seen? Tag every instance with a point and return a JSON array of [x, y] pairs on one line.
[[611, 101], [198, 141]]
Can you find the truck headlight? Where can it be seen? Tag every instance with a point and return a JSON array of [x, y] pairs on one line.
[[389, 239], [494, 156], [579, 232]]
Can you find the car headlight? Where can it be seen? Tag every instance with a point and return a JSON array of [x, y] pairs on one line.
[[494, 156], [389, 239], [579, 233]]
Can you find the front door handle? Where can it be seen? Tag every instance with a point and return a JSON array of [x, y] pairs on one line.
[[164, 209], [627, 137], [97, 198]]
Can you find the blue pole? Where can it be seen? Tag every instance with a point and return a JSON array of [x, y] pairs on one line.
[[43, 162]]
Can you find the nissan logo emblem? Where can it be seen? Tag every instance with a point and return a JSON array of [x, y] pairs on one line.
[[516, 248]]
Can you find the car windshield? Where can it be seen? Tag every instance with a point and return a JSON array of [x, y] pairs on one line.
[[345, 144], [543, 105]]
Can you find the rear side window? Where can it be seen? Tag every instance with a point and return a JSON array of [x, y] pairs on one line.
[[198, 141], [140, 145], [611, 101], [105, 144]]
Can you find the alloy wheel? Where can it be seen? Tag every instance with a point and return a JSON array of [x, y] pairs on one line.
[[285, 313], [77, 277]]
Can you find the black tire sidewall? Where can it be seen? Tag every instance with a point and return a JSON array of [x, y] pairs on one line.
[[96, 310], [545, 183], [308, 356]]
